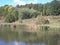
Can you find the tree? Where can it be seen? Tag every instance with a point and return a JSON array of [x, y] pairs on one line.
[[55, 7], [12, 17], [9, 18], [10, 14]]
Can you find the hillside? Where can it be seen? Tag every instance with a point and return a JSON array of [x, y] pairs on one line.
[[39, 13], [41, 20]]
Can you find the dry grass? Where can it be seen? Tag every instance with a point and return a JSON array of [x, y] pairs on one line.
[[32, 25]]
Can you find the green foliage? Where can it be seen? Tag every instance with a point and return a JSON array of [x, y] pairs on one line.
[[52, 8], [35, 14], [26, 13], [11, 17], [11, 14]]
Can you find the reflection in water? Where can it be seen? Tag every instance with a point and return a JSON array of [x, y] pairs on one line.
[[2, 42], [44, 36], [18, 43]]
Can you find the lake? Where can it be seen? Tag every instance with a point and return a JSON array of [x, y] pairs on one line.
[[45, 35]]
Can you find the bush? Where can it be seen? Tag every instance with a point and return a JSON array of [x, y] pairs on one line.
[[29, 14], [26, 15], [11, 17]]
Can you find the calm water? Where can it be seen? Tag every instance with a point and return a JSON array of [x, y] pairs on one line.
[[43, 36]]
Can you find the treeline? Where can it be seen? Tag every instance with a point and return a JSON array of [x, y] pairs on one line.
[[11, 14], [52, 8]]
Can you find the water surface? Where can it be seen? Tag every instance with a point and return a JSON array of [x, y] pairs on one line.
[[44, 36]]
